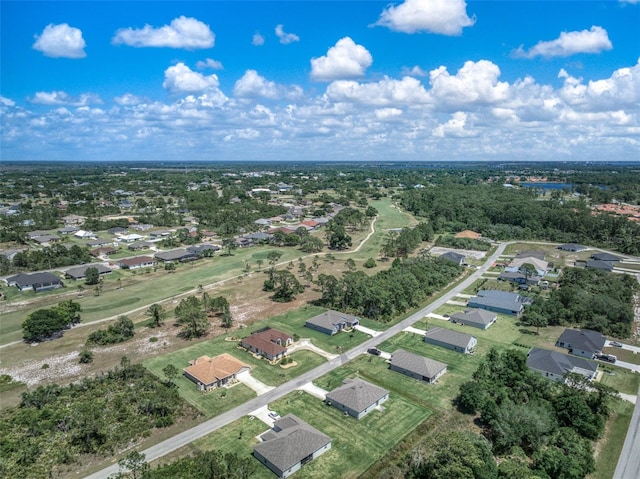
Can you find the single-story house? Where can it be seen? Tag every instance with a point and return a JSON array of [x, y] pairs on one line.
[[243, 242], [136, 262], [357, 397], [531, 254], [416, 366], [35, 281], [37, 233], [96, 243], [160, 234], [263, 221], [331, 322], [79, 272], [117, 230], [447, 338], [138, 245], [478, 318], [540, 265], [67, 230], [554, 365], [83, 234], [599, 264], [46, 240], [129, 238], [199, 250], [519, 278], [74, 219], [291, 444], [209, 373], [270, 343], [181, 255], [105, 250], [258, 236], [468, 234], [606, 257], [502, 302], [582, 342], [573, 247], [454, 257]]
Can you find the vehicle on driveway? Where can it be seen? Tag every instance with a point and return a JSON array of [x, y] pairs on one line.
[[374, 351], [274, 415], [615, 344]]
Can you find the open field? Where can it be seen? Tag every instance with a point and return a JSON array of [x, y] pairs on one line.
[[609, 447]]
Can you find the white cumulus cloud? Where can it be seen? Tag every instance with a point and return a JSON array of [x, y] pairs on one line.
[[209, 63], [63, 98], [445, 17], [387, 91], [344, 60], [254, 85], [286, 38], [455, 127], [61, 41], [180, 78], [475, 82], [183, 32], [257, 39], [594, 40]]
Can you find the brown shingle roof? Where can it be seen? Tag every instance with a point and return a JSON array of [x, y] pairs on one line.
[[208, 370]]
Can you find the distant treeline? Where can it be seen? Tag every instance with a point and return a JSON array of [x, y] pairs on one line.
[[509, 213]]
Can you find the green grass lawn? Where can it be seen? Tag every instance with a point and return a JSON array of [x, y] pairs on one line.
[[620, 379], [355, 444], [623, 355], [611, 445], [139, 288]]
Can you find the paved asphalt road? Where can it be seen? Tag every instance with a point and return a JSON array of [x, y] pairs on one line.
[[629, 461], [186, 437]]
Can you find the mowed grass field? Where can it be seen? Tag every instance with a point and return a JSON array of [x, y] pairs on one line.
[[355, 444], [139, 288], [211, 404]]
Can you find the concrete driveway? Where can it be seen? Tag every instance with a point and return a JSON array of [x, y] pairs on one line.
[[313, 390], [248, 380], [371, 332], [306, 343]]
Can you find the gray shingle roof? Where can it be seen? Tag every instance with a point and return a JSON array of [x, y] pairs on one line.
[[36, 280], [444, 335], [558, 363], [582, 339], [497, 299], [357, 394], [80, 271], [606, 257], [474, 315], [330, 318], [290, 441], [416, 363]]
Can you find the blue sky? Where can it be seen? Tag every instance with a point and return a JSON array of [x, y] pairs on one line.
[[432, 80]]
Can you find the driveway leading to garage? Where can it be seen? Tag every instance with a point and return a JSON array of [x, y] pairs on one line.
[[313, 390], [371, 332], [306, 343], [248, 380]]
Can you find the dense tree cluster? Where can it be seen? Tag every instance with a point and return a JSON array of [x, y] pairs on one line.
[[42, 324], [389, 292], [284, 284], [588, 298], [404, 242], [201, 465], [450, 241], [120, 331], [46, 258], [510, 213], [53, 425], [551, 423], [192, 316]]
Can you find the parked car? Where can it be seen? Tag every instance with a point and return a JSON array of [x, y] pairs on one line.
[[374, 351], [274, 415], [615, 343]]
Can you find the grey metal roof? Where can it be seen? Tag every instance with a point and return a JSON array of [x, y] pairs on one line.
[[475, 315], [357, 394], [416, 363], [290, 441], [558, 363], [444, 335], [583, 339]]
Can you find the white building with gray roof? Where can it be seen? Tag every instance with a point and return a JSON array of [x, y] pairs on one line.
[[478, 318], [416, 366], [554, 365], [291, 444], [449, 339], [331, 322], [357, 397]]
